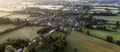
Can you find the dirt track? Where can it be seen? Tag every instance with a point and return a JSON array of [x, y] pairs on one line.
[[85, 43]]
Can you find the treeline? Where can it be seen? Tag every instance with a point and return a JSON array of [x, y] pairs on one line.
[[15, 21], [13, 45], [5, 20], [105, 27], [104, 14]]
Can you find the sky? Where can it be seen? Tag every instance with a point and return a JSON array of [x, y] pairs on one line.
[[11, 1], [28, 0]]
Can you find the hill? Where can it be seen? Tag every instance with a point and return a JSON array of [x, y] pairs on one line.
[[85, 43]]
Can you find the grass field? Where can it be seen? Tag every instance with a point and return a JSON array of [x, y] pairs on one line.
[[4, 14], [115, 11], [108, 18], [23, 33], [104, 34], [7, 26], [112, 23], [20, 16], [85, 43]]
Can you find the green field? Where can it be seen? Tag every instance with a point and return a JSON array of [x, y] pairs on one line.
[[115, 11], [85, 43], [104, 34], [108, 18], [7, 26], [23, 33], [4, 14], [111, 22], [73, 41]]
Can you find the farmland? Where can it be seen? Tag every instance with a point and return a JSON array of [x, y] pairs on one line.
[[6, 26], [104, 34], [109, 18], [21, 16], [23, 33], [85, 43], [4, 14], [110, 24]]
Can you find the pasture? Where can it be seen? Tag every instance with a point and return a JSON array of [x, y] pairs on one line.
[[6, 26], [85, 43], [104, 34], [23, 33], [108, 18]]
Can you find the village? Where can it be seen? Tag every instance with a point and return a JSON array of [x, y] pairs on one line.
[[35, 29]]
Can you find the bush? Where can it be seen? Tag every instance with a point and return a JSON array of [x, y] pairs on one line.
[[2, 47], [118, 42], [9, 48], [109, 38], [25, 49], [88, 33], [18, 43], [80, 29], [117, 24], [104, 28]]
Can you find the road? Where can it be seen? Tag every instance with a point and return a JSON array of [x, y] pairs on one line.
[[85, 43]]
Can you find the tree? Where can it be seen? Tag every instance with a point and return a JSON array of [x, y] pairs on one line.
[[5, 20], [80, 29], [119, 10], [85, 7], [109, 38], [108, 10], [117, 24], [109, 26], [104, 28], [25, 49], [9, 48], [118, 42], [75, 50], [88, 33], [90, 16]]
